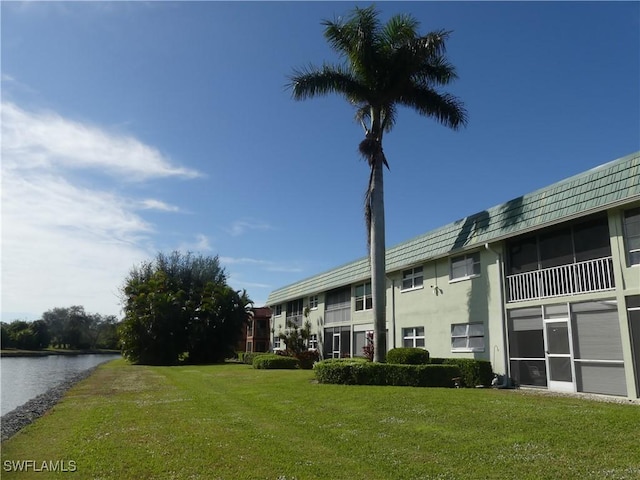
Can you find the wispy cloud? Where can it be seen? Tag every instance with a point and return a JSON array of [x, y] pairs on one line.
[[240, 227], [152, 204], [200, 243], [64, 240], [45, 140], [267, 265]]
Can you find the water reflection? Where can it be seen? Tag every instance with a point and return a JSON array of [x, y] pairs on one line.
[[23, 378]]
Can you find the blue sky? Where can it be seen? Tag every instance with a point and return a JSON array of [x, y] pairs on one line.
[[130, 128]]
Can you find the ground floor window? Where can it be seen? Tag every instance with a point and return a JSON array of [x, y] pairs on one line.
[[568, 347], [277, 342], [361, 339], [413, 337], [467, 337], [526, 347], [633, 311], [313, 341], [337, 342]]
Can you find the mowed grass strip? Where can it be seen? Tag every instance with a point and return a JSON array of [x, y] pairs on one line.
[[233, 422]]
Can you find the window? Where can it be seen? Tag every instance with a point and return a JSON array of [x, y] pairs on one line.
[[582, 241], [413, 337], [313, 302], [313, 341], [467, 337], [465, 266], [249, 347], [363, 297], [277, 343], [632, 235], [262, 327], [277, 310], [412, 278], [250, 329], [337, 306]]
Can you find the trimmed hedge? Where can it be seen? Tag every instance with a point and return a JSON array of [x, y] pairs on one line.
[[355, 372], [408, 356], [271, 361], [247, 357], [472, 372]]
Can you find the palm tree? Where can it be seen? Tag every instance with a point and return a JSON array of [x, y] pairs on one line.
[[384, 66]]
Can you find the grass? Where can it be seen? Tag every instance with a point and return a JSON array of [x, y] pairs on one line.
[[234, 422]]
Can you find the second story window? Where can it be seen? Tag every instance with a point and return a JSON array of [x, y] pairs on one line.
[[313, 302], [363, 297], [294, 312], [465, 266], [412, 278], [632, 235]]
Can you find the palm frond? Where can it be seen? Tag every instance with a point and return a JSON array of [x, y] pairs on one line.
[[388, 117], [443, 107], [399, 30], [433, 44], [438, 71], [357, 39], [311, 82]]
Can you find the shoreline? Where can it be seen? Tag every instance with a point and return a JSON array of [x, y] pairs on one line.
[[44, 353], [18, 418]]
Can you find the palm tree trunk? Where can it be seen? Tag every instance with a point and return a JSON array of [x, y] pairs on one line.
[[377, 258]]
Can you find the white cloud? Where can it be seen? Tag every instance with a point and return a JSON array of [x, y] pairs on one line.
[[64, 243], [201, 243], [243, 260], [152, 204], [242, 226], [46, 140]]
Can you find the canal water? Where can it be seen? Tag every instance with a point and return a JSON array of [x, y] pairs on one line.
[[24, 378]]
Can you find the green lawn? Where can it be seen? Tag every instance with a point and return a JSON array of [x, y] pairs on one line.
[[234, 422]]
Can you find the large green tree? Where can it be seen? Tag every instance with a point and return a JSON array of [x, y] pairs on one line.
[[179, 307], [385, 66]]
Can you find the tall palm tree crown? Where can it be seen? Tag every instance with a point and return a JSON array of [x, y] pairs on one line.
[[384, 66]]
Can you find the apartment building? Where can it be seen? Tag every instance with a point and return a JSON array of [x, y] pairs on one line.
[[545, 286]]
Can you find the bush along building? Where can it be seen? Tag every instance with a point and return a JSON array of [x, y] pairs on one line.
[[545, 286]]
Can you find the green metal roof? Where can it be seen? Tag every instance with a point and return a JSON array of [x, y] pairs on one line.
[[608, 185]]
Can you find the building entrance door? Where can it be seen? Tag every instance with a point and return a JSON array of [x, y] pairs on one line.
[[336, 345], [558, 355]]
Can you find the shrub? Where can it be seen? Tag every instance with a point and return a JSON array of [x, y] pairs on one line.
[[248, 357], [307, 358], [272, 361], [472, 372], [408, 356], [362, 372]]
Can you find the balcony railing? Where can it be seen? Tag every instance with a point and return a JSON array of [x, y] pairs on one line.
[[573, 279]]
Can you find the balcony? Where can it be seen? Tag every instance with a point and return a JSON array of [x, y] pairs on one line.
[[572, 279], [294, 320]]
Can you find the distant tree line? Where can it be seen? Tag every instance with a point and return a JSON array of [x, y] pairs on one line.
[[68, 328]]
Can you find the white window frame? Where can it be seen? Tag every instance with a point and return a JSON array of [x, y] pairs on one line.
[[313, 302], [627, 247], [412, 274], [365, 298], [313, 341], [465, 334], [411, 333], [471, 259], [277, 310], [277, 343]]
